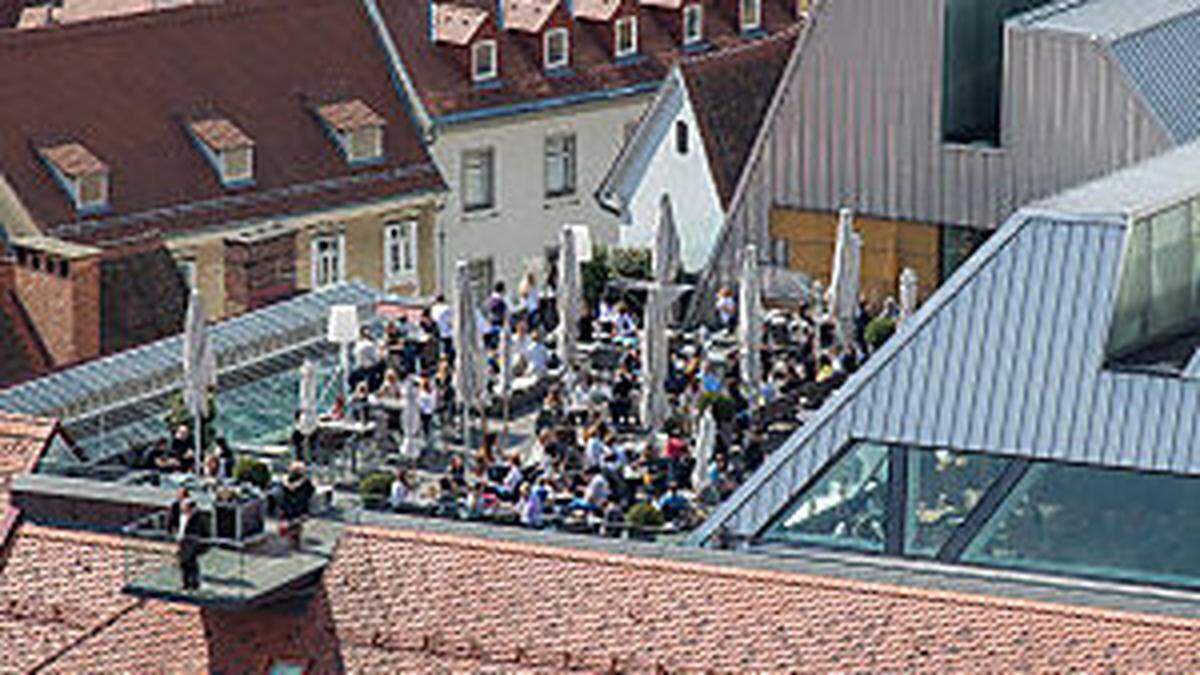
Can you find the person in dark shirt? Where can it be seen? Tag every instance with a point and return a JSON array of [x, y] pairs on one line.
[[189, 534], [295, 496]]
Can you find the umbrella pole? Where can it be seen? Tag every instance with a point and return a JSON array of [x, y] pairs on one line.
[[506, 399], [198, 423]]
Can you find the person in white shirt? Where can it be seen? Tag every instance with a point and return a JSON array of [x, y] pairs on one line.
[[597, 490], [400, 489], [626, 325], [595, 449], [726, 308], [366, 352], [427, 404], [444, 318]]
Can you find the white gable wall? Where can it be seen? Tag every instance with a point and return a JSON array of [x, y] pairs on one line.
[[689, 182]]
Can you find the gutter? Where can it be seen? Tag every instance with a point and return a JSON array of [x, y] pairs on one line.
[[401, 80], [544, 104]]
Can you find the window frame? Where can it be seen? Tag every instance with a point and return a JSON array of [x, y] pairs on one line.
[[631, 49], [696, 9], [487, 156], [549, 36], [228, 176], [352, 138], [407, 230], [494, 54], [317, 255], [683, 141], [101, 199], [567, 153], [745, 25]]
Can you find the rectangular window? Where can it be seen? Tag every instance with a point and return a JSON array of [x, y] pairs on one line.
[[693, 24], [627, 36], [557, 48], [238, 164], [483, 61], [681, 137], [400, 251], [751, 14], [365, 143], [92, 190], [560, 165], [478, 181], [328, 264]]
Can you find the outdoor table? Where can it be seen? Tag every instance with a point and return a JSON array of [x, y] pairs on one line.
[[388, 403], [355, 430]]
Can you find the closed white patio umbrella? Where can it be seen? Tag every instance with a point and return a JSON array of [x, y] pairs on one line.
[[570, 297], [199, 370], [750, 322]]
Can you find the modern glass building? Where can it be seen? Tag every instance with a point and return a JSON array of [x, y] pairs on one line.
[[1040, 413]]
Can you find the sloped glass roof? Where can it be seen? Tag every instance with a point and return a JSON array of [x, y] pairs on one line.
[[996, 511]]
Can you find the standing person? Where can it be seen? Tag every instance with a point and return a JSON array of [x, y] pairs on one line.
[[443, 316], [367, 361], [726, 308], [530, 298], [497, 314], [427, 402], [191, 545]]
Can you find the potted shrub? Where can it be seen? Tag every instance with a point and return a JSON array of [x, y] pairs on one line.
[[374, 489], [878, 331], [641, 517], [252, 471]]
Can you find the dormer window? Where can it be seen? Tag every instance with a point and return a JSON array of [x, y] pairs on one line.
[[751, 14], [357, 128], [557, 48], [84, 177], [484, 65], [693, 24], [626, 36], [229, 149]]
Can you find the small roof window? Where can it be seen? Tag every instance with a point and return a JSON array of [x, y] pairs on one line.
[[84, 177], [358, 129], [229, 149]]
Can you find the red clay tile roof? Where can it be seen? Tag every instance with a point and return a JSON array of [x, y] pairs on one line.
[[122, 87], [442, 77], [220, 133], [404, 601], [73, 159], [22, 441], [730, 93]]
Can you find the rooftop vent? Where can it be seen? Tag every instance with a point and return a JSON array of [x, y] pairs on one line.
[[84, 177]]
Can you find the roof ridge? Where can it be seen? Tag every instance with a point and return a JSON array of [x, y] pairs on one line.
[[764, 575], [200, 10], [741, 47]]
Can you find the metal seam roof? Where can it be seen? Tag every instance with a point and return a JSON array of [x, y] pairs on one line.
[[1006, 358]]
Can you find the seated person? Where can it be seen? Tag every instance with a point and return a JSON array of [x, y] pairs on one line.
[[182, 450], [626, 325], [674, 506], [296, 493], [401, 489], [357, 406], [336, 413]]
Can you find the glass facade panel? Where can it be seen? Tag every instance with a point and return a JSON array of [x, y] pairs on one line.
[[1097, 522], [943, 487], [1158, 297], [845, 507]]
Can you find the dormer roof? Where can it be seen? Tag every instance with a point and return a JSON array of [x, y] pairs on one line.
[[73, 160], [349, 115], [220, 134], [597, 10], [457, 24], [528, 16]]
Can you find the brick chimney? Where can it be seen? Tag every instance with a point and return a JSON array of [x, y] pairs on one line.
[[58, 284]]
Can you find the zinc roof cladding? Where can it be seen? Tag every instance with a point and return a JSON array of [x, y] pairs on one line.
[[1104, 19], [260, 62], [446, 89], [403, 600], [1162, 65], [1007, 358]]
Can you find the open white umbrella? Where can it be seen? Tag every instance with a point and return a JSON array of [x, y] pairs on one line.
[[908, 292], [706, 444], [199, 369], [654, 406], [844, 281], [750, 318], [666, 256], [468, 350], [569, 297], [411, 421]]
